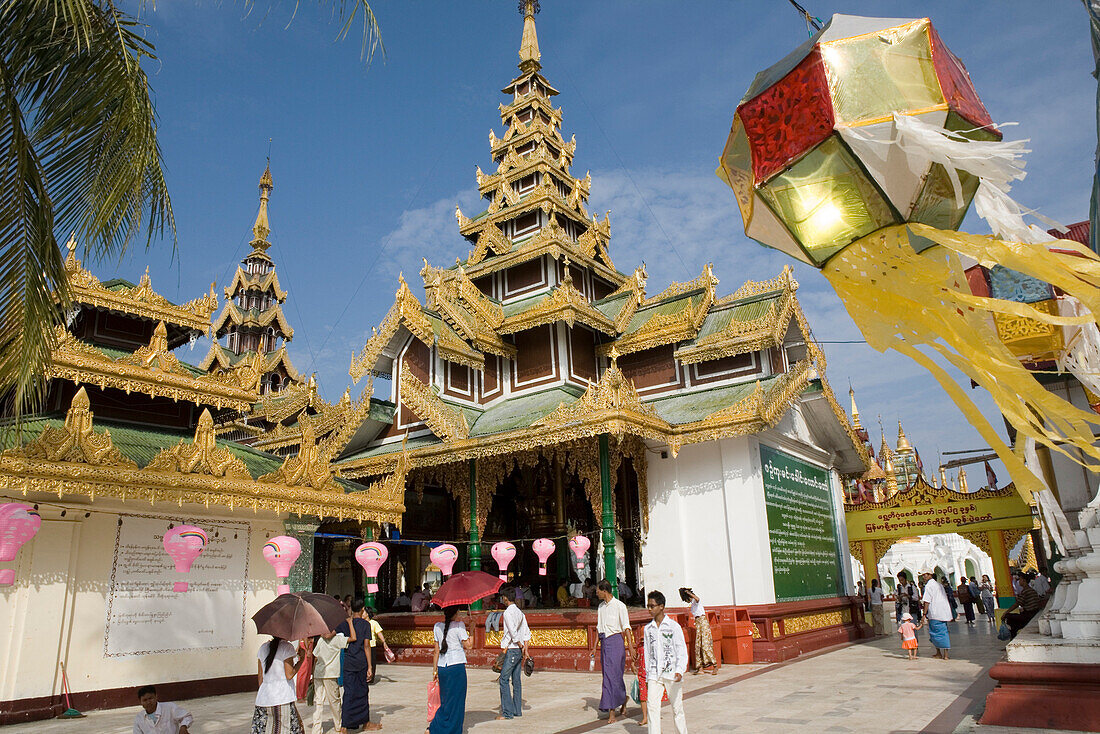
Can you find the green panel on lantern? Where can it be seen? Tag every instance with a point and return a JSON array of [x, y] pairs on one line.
[[827, 200], [936, 204], [874, 75], [958, 124]]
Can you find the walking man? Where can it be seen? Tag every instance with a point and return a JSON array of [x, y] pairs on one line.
[[666, 660], [616, 642], [159, 718], [326, 669], [515, 635], [937, 610]]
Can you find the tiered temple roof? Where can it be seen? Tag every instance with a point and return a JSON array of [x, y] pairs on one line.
[[535, 338], [252, 321]]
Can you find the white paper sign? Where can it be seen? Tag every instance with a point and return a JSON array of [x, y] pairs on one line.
[[144, 615]]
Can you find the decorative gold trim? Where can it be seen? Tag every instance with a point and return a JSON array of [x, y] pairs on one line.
[[444, 421], [565, 303], [235, 316], [811, 622], [661, 329], [264, 282], [410, 638], [739, 337], [75, 441], [150, 371], [405, 311], [543, 637], [141, 300], [201, 456]]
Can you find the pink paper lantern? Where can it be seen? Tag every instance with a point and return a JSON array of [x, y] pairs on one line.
[[503, 553], [281, 552], [544, 548], [445, 557], [183, 544], [580, 545], [371, 556], [18, 524]]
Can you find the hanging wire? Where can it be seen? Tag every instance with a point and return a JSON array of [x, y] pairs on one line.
[[813, 23]]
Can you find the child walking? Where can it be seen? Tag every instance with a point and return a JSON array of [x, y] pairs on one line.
[[908, 632]]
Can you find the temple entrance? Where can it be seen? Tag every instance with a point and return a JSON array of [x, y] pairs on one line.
[[335, 571], [918, 528]]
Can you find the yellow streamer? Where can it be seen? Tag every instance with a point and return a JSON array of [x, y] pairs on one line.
[[900, 300]]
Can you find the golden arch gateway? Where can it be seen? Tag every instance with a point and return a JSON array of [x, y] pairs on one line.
[[992, 519]]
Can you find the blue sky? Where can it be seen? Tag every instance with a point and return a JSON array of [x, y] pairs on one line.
[[369, 161]]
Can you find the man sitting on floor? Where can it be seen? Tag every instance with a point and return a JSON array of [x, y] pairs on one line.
[[160, 718]]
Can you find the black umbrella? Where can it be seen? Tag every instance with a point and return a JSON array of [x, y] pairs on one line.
[[300, 615]]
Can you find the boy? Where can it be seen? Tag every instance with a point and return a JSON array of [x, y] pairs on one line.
[[666, 661], [159, 718]]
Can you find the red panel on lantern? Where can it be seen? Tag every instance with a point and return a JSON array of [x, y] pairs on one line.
[[958, 89], [789, 118]]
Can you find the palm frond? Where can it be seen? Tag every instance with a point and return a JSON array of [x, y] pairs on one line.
[[30, 262], [345, 13]]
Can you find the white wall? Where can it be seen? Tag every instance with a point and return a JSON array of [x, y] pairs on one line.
[[56, 610]]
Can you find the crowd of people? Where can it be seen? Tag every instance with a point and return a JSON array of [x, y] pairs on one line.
[[934, 602]]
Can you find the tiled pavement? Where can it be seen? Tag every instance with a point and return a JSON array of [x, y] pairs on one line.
[[867, 687]]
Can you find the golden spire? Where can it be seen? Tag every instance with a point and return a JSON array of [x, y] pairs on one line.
[[962, 481], [261, 229], [891, 476], [884, 449], [529, 55], [855, 411], [943, 477], [903, 441]]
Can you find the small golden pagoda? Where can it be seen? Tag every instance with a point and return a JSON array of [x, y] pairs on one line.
[[252, 323]]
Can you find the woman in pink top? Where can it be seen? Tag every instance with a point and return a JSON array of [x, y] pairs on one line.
[[908, 632]]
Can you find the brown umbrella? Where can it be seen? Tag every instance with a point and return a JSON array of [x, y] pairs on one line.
[[300, 615]]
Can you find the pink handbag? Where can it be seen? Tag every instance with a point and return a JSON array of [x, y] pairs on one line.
[[433, 698]]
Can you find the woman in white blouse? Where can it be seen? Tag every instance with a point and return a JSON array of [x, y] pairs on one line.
[[449, 668], [275, 712]]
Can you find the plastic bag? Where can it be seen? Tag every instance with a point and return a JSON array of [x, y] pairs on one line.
[[636, 691], [433, 698], [1004, 633], [390, 657]]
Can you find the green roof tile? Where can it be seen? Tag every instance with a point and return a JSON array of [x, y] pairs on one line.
[[695, 406], [523, 411]]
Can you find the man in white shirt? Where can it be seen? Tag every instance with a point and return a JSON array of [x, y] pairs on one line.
[[1040, 584], [937, 610], [160, 718], [326, 669], [666, 661], [515, 634], [616, 643]]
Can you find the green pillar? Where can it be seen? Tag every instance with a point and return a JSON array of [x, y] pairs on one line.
[[607, 519], [475, 541], [368, 533], [302, 528]]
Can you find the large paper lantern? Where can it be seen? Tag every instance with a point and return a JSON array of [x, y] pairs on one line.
[[503, 553], [444, 556], [281, 552], [579, 544], [18, 524], [183, 544], [371, 555], [860, 153], [544, 548]]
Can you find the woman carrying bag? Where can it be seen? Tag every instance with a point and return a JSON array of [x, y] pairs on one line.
[[449, 668]]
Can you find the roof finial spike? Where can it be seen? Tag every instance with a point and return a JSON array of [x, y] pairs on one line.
[[903, 440], [261, 229], [529, 55], [856, 424]]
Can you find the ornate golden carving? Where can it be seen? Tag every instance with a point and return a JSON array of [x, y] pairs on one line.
[[739, 337], [1028, 338], [253, 318], [923, 493], [141, 300], [565, 303], [76, 441], [161, 376], [810, 622], [613, 394], [201, 456], [410, 638], [406, 311], [542, 637], [445, 422]]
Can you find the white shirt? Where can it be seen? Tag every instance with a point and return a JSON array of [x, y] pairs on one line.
[[167, 719], [939, 608], [276, 689], [877, 596], [666, 652], [1041, 585], [576, 590], [612, 617], [456, 654], [514, 628], [327, 656], [697, 609]]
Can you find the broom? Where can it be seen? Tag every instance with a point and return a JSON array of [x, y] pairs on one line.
[[69, 713]]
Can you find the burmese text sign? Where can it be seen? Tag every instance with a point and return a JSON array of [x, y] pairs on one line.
[[801, 527]]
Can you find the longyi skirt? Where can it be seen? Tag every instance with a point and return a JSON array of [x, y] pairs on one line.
[[277, 720]]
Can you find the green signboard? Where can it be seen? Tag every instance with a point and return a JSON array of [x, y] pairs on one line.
[[801, 527]]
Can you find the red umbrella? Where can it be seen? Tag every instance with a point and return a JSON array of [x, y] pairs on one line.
[[466, 588], [300, 615]]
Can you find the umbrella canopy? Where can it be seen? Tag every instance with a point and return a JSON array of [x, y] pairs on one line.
[[466, 588], [300, 615]]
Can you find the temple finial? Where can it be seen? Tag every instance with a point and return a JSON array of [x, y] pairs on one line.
[[261, 229], [529, 55], [903, 440], [855, 411]]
